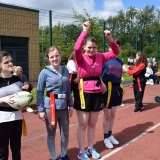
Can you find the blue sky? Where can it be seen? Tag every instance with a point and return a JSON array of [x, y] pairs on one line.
[[128, 3], [98, 8]]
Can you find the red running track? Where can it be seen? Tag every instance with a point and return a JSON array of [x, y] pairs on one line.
[[138, 133]]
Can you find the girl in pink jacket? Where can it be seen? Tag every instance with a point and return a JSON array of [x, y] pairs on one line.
[[89, 65]]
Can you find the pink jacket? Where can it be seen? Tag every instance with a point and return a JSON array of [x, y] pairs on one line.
[[91, 66]]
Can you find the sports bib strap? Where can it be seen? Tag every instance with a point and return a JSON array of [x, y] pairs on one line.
[[24, 126], [123, 92], [139, 84], [91, 78], [70, 77], [109, 93], [57, 96], [83, 106], [52, 111]]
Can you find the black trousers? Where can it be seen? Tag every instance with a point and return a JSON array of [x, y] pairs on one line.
[[154, 77], [138, 95], [10, 133], [75, 90]]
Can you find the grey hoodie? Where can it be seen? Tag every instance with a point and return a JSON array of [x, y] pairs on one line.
[[53, 83]]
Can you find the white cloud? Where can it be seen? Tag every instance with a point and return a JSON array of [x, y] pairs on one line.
[[65, 6], [109, 7]]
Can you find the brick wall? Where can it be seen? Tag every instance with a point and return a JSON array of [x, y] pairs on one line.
[[21, 22]]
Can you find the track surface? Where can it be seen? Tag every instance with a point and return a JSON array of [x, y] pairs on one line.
[[138, 133]]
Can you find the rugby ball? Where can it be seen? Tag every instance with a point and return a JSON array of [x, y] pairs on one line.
[[21, 100], [125, 66]]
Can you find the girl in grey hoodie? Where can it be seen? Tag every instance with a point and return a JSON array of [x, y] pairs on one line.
[[55, 79]]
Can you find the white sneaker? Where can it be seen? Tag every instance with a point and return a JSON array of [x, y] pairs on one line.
[[29, 109], [113, 140], [147, 82], [122, 104], [108, 143]]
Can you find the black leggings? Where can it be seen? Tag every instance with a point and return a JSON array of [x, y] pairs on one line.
[[10, 132], [138, 95]]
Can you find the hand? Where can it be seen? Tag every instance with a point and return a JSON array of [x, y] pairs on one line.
[[70, 111], [108, 35], [125, 70], [86, 26], [6, 99], [26, 87], [42, 116]]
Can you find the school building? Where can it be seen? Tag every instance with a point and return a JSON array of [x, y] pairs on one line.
[[19, 35]]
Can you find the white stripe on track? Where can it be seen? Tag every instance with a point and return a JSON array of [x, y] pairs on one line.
[[75, 124], [130, 142]]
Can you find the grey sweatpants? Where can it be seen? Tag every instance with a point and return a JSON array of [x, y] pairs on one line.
[[62, 119]]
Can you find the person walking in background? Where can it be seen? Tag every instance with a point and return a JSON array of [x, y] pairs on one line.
[[10, 118], [18, 71], [55, 79], [139, 80], [74, 79], [89, 67], [111, 76]]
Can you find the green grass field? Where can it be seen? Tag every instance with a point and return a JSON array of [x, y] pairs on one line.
[[127, 77]]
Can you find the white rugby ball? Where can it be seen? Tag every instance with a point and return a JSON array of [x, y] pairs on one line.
[[125, 66], [21, 100]]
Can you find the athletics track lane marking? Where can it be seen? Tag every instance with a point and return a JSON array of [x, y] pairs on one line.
[[75, 124], [129, 142]]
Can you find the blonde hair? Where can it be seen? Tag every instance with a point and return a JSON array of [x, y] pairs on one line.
[[15, 69]]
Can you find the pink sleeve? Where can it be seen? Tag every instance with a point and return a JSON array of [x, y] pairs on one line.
[[78, 46], [111, 54]]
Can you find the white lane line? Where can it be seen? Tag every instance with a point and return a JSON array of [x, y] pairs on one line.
[[75, 124], [128, 143]]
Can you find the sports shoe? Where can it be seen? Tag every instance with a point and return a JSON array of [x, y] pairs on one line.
[[142, 107], [29, 109], [83, 156], [93, 153], [108, 143], [122, 104], [113, 140], [64, 158], [136, 110], [147, 82]]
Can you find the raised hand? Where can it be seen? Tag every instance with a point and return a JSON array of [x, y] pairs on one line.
[[108, 35], [86, 25]]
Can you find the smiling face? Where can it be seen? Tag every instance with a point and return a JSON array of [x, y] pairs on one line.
[[6, 64], [90, 48], [54, 58]]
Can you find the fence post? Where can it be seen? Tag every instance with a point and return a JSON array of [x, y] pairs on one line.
[[136, 40], [157, 50], [104, 37], [50, 27]]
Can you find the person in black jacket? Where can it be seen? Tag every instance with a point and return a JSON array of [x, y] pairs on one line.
[[139, 80], [10, 118]]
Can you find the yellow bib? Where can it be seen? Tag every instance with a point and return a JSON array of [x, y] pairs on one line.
[[24, 126], [109, 93], [83, 106]]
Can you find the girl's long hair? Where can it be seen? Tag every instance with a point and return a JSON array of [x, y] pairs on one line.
[[142, 59]]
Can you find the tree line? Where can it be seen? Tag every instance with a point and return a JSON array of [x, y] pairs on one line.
[[137, 29]]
